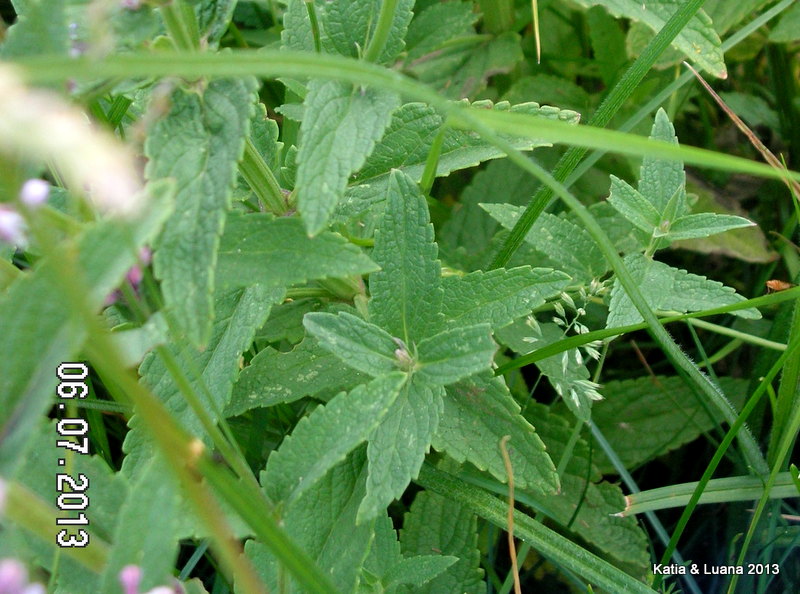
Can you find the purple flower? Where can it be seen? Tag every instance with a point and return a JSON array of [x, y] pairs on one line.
[[12, 226], [14, 579], [130, 577], [34, 192]]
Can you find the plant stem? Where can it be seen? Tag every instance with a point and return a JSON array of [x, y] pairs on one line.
[[312, 18], [181, 23], [743, 336], [498, 15], [382, 31], [610, 105], [261, 180]]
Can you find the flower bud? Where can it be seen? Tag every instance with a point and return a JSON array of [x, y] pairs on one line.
[[130, 577], [12, 227], [13, 576]]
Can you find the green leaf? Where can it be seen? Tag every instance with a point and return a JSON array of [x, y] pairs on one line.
[[498, 297], [349, 25], [323, 523], [661, 179], [211, 372], [698, 40], [408, 139], [647, 417], [435, 524], [359, 344], [258, 248], [478, 413], [418, 570], [618, 539], [705, 224], [398, 446], [633, 206], [323, 439], [274, 377], [198, 144], [41, 332], [153, 503], [341, 124], [213, 18], [669, 289], [406, 293], [565, 243], [435, 25], [455, 354], [788, 27], [41, 29], [566, 372]]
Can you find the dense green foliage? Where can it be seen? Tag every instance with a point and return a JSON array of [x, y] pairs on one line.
[[345, 277]]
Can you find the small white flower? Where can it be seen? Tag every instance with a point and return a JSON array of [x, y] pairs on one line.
[[12, 227], [34, 192], [559, 309], [568, 300]]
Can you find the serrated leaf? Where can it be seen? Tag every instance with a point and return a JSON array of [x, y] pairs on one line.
[[478, 412], [698, 40], [274, 377], [705, 224], [498, 55], [359, 344], [297, 34], [624, 542], [437, 24], [633, 206], [647, 417], [567, 374], [660, 179], [398, 446], [436, 524], [408, 139], [213, 19], [406, 293], [323, 439], [41, 332], [349, 25], [323, 523], [198, 144], [153, 503], [498, 297], [455, 354], [418, 570], [669, 289], [384, 553], [341, 124], [258, 248], [211, 372], [564, 242]]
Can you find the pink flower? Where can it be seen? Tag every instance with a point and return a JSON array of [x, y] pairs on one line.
[[14, 579]]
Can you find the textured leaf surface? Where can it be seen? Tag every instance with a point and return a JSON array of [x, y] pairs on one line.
[[478, 412], [323, 439], [633, 206], [623, 541], [198, 144], [660, 179], [669, 289], [648, 417], [435, 524], [406, 293], [698, 40], [146, 533], [498, 297], [323, 523], [359, 344], [435, 25], [273, 252], [42, 333], [274, 377], [455, 354], [705, 224], [211, 372], [561, 240], [398, 446], [342, 122], [417, 571], [408, 139], [349, 25]]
